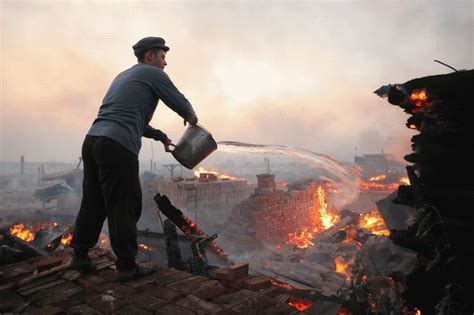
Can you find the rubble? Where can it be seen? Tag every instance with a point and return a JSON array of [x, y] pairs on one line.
[[441, 189], [47, 285]]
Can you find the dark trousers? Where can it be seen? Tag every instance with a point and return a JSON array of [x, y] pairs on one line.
[[111, 189]]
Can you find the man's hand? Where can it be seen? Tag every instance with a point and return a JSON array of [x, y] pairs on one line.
[[191, 119], [167, 143]]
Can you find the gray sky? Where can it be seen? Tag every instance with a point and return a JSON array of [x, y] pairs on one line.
[[292, 73]]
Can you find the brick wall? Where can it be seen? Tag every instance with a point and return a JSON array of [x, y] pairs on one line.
[[270, 214], [206, 202]]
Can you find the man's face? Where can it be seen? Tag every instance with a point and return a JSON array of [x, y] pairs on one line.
[[156, 59]]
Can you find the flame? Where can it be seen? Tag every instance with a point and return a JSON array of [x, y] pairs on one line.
[[21, 232], [202, 170], [324, 220], [377, 178], [303, 238], [378, 186], [373, 222], [328, 219], [192, 229], [300, 305], [66, 239], [419, 98], [283, 285], [413, 126], [341, 266], [404, 180], [144, 246]]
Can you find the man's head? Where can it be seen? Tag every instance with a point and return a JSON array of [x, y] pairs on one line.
[[152, 51]]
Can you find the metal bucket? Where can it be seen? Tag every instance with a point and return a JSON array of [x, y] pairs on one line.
[[194, 146]]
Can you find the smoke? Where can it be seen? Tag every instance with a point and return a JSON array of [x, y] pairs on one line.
[[299, 74]]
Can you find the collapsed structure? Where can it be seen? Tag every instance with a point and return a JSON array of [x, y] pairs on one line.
[[441, 189]]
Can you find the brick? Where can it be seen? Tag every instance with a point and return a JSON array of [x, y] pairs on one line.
[[38, 282], [87, 285], [132, 309], [105, 303], [41, 287], [209, 289], [172, 276], [200, 306], [174, 310], [72, 301], [48, 263], [279, 309], [117, 290], [257, 283], [49, 310], [237, 271], [56, 290], [147, 302], [12, 302], [165, 293], [222, 274], [82, 309], [60, 296], [187, 285], [254, 304], [95, 279], [233, 299]]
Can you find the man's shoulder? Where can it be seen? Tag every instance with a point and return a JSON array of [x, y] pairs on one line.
[[147, 69]]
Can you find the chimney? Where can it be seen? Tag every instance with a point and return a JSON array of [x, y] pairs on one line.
[[266, 183]]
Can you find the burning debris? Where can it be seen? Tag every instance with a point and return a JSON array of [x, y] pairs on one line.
[[441, 190]]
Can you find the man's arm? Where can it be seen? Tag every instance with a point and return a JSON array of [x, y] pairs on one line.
[[155, 134], [173, 98], [158, 135]]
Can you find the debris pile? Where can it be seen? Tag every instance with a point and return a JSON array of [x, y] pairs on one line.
[[441, 189]]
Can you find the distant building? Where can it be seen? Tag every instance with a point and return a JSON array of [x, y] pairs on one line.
[[377, 164]]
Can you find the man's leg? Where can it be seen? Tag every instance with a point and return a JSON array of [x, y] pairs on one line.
[[120, 184], [92, 212]]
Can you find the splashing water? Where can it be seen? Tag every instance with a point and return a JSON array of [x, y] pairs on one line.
[[288, 163]]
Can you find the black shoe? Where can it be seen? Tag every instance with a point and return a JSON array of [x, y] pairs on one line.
[[82, 264], [138, 272]]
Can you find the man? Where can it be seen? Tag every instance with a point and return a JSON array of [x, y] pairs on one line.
[[111, 186]]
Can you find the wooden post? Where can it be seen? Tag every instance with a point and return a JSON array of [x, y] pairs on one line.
[[22, 165]]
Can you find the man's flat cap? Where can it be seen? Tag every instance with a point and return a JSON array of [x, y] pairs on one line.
[[148, 43]]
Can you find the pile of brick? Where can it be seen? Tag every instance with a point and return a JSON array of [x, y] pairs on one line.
[[209, 200], [46, 285], [270, 214]]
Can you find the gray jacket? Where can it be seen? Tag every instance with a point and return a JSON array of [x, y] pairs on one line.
[[130, 102]]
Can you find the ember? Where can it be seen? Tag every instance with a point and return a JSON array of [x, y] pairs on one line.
[[419, 98], [144, 247], [373, 222], [66, 239], [283, 285], [300, 305]]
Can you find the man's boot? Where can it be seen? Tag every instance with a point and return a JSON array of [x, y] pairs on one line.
[[137, 272], [81, 262]]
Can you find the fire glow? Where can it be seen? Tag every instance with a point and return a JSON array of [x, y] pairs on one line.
[[373, 222], [419, 98], [300, 305], [202, 170], [378, 182], [23, 233], [28, 234], [303, 238], [66, 239], [342, 267]]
